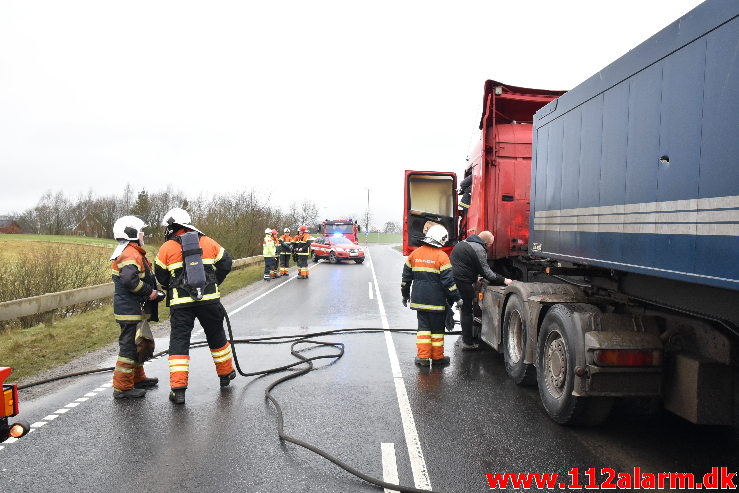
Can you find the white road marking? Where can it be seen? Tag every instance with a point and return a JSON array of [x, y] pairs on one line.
[[38, 424], [91, 394], [99, 389], [371, 296], [72, 404], [107, 384], [11, 440], [51, 417], [389, 465], [81, 399], [61, 411], [418, 464], [266, 293]]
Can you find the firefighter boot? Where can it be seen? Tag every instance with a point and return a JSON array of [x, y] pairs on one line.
[[423, 361], [128, 394], [177, 396], [141, 381], [443, 361], [226, 379]]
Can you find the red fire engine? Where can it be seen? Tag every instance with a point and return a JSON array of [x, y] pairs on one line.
[[345, 227]]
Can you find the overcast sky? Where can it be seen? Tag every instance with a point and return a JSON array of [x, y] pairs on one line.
[[296, 99]]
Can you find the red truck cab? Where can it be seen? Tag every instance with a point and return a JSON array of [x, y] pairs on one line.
[[500, 166]]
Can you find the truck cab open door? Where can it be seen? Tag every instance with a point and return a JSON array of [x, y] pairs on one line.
[[430, 198]]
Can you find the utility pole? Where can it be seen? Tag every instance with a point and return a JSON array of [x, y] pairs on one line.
[[366, 217]]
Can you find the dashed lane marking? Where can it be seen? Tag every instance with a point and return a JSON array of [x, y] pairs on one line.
[[418, 464], [389, 465], [371, 295]]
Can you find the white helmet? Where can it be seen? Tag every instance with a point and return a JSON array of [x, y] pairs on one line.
[[286, 230], [178, 216], [128, 228], [268, 231], [436, 236]]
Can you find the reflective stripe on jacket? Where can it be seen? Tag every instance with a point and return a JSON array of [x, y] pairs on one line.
[[133, 281], [301, 244], [169, 267], [428, 271], [285, 243]]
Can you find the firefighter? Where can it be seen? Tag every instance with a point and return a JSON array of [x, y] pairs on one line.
[[276, 258], [429, 271], [301, 247], [191, 266], [134, 300], [285, 250], [269, 247]]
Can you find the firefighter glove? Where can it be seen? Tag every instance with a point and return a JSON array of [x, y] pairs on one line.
[[405, 302]]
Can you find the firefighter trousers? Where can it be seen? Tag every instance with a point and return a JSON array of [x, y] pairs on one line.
[[284, 263], [302, 264], [128, 371], [182, 320], [270, 267], [430, 334]]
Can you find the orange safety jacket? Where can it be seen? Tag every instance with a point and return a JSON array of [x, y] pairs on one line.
[[301, 244], [169, 268], [429, 271], [134, 282], [285, 242]]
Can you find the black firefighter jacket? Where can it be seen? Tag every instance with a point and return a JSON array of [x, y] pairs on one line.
[[429, 272]]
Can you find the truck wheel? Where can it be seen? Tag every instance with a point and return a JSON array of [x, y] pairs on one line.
[[332, 258], [359, 260], [515, 340], [556, 373], [314, 257]]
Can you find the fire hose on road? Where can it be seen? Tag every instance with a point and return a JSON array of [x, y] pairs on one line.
[[295, 350]]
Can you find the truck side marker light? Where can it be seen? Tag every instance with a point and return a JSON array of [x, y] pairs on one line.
[[626, 357], [480, 296]]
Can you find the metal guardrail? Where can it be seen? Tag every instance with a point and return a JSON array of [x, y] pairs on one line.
[[35, 305]]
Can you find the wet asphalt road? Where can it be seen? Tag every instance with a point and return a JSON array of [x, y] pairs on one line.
[[469, 418]]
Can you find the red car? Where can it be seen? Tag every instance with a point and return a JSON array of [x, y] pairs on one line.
[[336, 248]]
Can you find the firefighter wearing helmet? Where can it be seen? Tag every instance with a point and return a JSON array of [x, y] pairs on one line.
[[269, 250], [429, 272], [301, 247], [285, 248], [191, 266], [134, 300]]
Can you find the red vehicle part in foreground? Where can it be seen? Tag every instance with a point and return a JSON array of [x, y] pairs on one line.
[[9, 408]]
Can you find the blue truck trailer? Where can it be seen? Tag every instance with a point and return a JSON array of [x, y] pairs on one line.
[[628, 273], [635, 207]]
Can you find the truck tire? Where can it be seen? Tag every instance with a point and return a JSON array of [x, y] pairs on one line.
[[332, 258], [556, 372], [515, 340]]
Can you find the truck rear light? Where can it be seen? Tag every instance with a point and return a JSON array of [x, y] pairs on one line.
[[480, 296], [627, 357], [18, 430]]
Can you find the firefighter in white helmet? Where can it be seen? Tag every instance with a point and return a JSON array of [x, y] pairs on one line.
[[269, 250], [134, 299], [429, 271]]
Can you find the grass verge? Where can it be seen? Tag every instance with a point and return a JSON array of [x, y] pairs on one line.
[[42, 347], [84, 240]]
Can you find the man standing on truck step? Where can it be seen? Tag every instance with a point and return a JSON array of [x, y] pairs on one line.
[[285, 249], [469, 260], [269, 249], [191, 266], [429, 271], [301, 247], [135, 299]]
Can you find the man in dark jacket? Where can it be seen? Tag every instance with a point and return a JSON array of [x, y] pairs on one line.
[[469, 260]]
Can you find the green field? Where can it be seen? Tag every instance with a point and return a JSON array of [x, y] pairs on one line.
[[380, 238], [83, 240]]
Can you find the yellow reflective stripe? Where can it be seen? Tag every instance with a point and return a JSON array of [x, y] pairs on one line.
[[128, 317], [221, 352], [187, 299], [446, 266], [123, 370], [208, 261], [220, 254], [138, 287], [142, 275], [179, 361], [423, 333], [222, 358], [437, 343], [160, 263], [407, 263], [127, 262], [175, 369], [453, 288], [466, 206], [121, 359], [174, 266], [425, 269], [116, 272], [428, 307]]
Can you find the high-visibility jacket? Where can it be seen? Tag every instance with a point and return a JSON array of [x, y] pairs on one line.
[[169, 270], [301, 244], [285, 243], [429, 272], [134, 282], [268, 246]]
